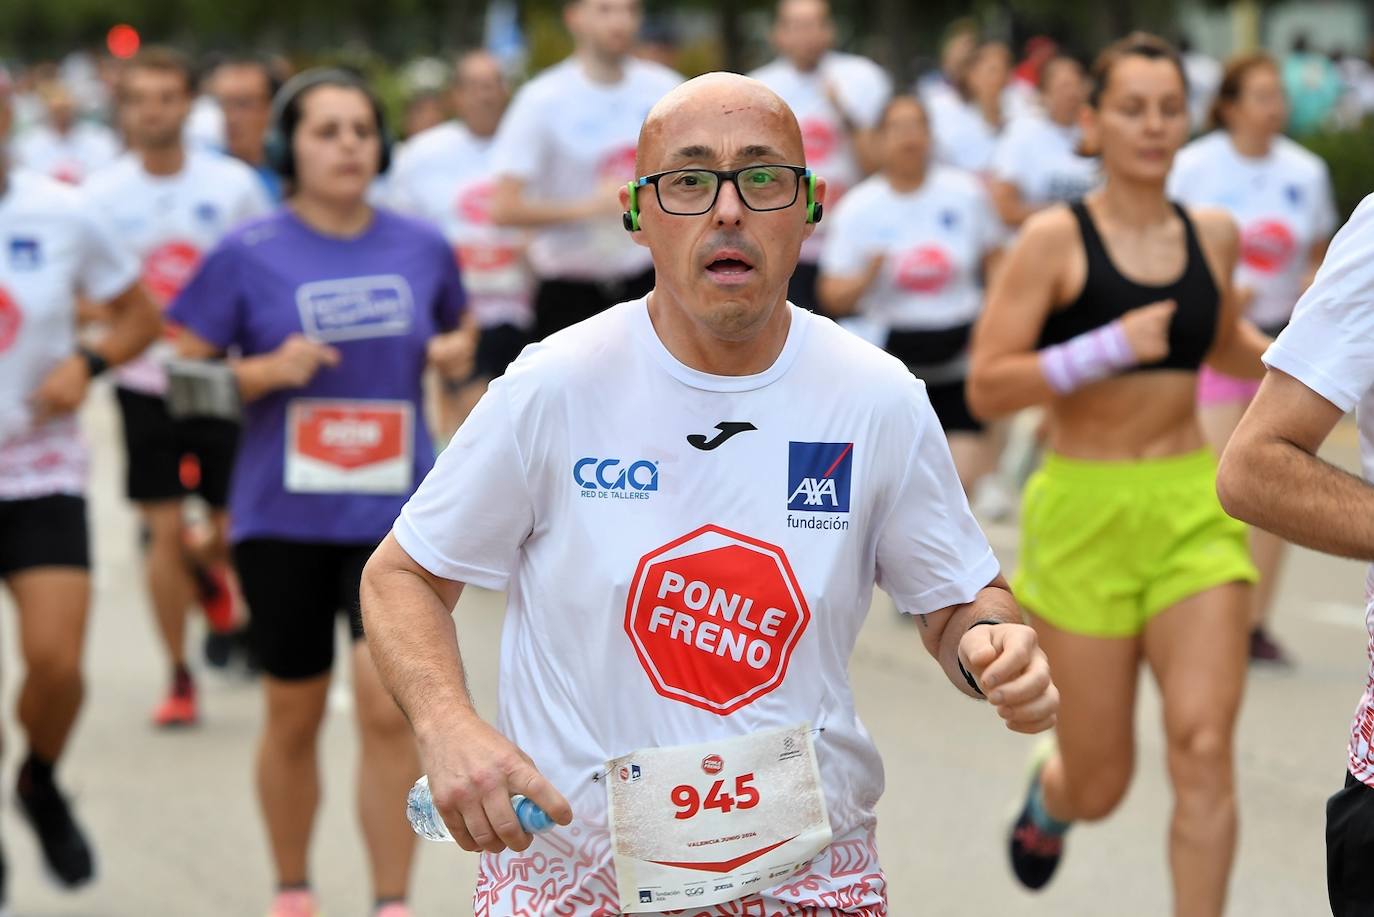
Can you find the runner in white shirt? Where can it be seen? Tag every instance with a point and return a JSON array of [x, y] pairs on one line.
[[171, 205], [1037, 161], [62, 147], [1280, 196], [837, 99], [688, 568], [1321, 367], [968, 123], [907, 252], [564, 147], [447, 175], [51, 251]]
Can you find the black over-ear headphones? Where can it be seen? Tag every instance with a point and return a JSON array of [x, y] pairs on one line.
[[286, 114], [630, 218]]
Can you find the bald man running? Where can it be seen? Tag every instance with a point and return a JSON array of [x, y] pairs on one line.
[[689, 499]]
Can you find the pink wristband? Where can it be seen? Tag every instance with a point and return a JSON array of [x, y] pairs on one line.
[[1091, 356]]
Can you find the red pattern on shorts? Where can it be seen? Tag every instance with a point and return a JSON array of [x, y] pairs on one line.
[[571, 874]]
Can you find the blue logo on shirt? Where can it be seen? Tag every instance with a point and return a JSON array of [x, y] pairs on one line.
[[25, 254], [356, 308], [614, 478], [949, 219], [207, 212], [818, 476], [1294, 195]]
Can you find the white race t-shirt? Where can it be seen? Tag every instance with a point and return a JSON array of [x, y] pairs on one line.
[[864, 89], [50, 249], [447, 175], [1038, 157], [1329, 347], [934, 240], [170, 222], [72, 157], [565, 136], [963, 137], [1282, 203], [574, 477]]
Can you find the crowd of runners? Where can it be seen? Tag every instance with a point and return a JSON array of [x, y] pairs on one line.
[[356, 374]]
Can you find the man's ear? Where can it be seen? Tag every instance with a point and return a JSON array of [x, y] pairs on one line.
[[821, 187]]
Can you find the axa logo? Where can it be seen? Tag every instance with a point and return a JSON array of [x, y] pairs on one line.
[[818, 476], [614, 477]]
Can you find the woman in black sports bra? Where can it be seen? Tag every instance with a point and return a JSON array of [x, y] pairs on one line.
[[1103, 312]]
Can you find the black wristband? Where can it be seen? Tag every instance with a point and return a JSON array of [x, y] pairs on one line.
[[95, 363], [972, 683]]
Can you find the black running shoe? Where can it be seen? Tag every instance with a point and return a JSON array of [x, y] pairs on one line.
[[64, 845], [1035, 852]]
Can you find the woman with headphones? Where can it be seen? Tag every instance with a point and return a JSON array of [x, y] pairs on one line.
[[335, 309]]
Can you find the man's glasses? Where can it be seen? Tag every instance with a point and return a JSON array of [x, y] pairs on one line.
[[692, 192]]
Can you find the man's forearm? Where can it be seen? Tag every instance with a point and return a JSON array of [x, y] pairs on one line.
[[1281, 488], [414, 644], [993, 603]]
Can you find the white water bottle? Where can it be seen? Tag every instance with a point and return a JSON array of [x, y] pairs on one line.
[[429, 824]]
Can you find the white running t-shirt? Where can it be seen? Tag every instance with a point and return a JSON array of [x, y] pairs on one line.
[[934, 240], [574, 478], [1329, 347], [863, 89], [170, 222], [71, 157], [447, 175], [1282, 203], [565, 136], [51, 249], [1039, 157]]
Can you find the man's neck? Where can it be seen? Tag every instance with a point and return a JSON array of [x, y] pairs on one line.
[[167, 160], [601, 68], [748, 352]]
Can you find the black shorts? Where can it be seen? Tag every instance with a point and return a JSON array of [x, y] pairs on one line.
[[560, 303], [801, 289], [43, 532], [156, 445], [295, 591], [938, 357], [497, 348], [1350, 850]]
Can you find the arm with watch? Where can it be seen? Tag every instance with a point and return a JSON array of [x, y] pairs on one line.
[[987, 652], [134, 322]]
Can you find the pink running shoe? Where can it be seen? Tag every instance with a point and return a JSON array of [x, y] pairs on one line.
[[393, 909], [295, 902]]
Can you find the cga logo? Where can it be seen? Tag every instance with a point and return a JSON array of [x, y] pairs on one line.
[[818, 476], [611, 477]]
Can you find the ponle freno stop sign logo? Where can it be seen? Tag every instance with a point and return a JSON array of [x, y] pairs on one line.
[[714, 617]]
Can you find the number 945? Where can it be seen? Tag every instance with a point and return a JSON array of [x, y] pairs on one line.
[[688, 801]]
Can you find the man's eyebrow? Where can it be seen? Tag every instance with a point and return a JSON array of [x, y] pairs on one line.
[[755, 151]]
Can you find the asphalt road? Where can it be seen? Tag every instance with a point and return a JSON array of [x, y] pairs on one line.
[[176, 824]]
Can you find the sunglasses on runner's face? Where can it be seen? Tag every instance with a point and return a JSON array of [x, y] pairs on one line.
[[692, 192]]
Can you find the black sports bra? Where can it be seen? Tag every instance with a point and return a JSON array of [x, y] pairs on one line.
[[1107, 296]]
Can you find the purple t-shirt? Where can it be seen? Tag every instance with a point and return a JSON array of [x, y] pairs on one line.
[[378, 298]]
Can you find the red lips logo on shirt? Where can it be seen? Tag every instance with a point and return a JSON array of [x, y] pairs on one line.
[[617, 165], [10, 320], [925, 269], [168, 267], [819, 140], [474, 202], [1267, 246]]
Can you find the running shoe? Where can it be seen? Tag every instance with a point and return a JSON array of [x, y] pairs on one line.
[[294, 902], [65, 848], [1035, 852], [1264, 650], [177, 709], [216, 599], [393, 909]]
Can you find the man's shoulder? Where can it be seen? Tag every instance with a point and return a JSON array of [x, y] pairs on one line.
[[1298, 158], [113, 179], [850, 366], [435, 143], [549, 85], [207, 166], [651, 75]]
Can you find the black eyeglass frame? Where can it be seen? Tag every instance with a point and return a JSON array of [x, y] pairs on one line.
[[722, 176]]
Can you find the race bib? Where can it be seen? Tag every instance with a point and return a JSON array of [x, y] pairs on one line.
[[349, 447], [698, 825], [494, 270]]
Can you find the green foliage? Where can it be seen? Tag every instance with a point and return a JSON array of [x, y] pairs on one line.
[[1348, 154]]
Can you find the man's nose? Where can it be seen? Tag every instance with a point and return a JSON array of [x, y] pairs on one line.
[[729, 207]]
